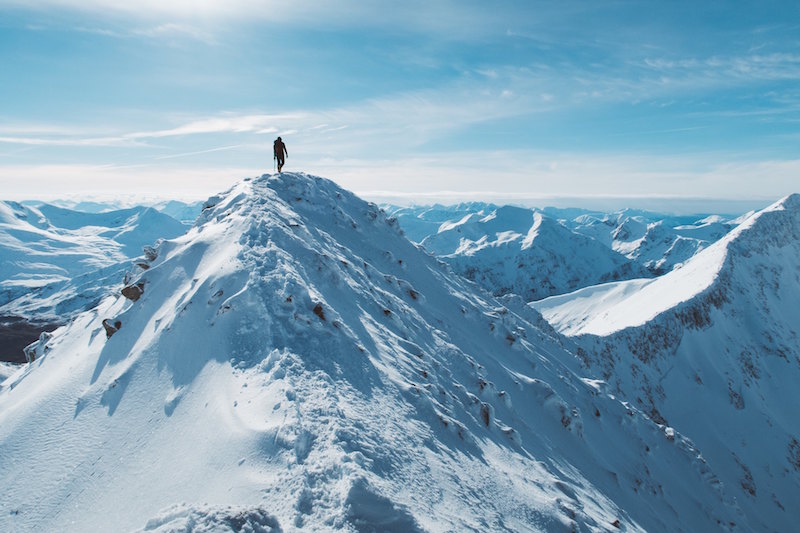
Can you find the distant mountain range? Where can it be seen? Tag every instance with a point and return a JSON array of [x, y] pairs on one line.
[[185, 212], [539, 253], [55, 262]]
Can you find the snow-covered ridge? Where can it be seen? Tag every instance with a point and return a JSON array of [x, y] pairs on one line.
[[295, 356], [713, 350], [50, 244], [602, 310], [420, 221]]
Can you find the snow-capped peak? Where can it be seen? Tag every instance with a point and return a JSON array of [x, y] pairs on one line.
[[294, 355]]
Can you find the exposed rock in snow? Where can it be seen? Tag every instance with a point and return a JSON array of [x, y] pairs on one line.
[[133, 291], [111, 326], [296, 357]]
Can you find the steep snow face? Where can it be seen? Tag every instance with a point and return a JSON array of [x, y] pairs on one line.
[[520, 251], [294, 362], [54, 261], [605, 309], [713, 350]]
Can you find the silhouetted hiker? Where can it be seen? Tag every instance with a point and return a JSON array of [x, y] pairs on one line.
[[280, 150]]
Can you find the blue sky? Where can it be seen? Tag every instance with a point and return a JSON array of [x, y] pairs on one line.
[[418, 100]]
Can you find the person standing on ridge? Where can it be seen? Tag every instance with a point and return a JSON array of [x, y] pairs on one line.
[[280, 151]]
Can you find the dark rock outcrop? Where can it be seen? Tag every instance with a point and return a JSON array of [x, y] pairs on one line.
[[111, 328], [134, 291]]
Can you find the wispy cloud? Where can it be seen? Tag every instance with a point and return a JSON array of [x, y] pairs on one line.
[[40, 128], [402, 120], [408, 120], [105, 32], [448, 18], [198, 152], [402, 105], [71, 141], [172, 29], [225, 123], [168, 31], [12, 153], [541, 173], [754, 67]]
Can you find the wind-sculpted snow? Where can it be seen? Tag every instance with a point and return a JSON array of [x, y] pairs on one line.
[[209, 520], [712, 349], [294, 362]]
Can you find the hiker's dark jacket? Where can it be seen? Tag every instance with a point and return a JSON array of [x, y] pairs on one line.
[[280, 149]]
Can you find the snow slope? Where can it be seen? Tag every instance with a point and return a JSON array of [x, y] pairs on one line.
[[521, 251], [294, 362], [607, 308], [713, 350]]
